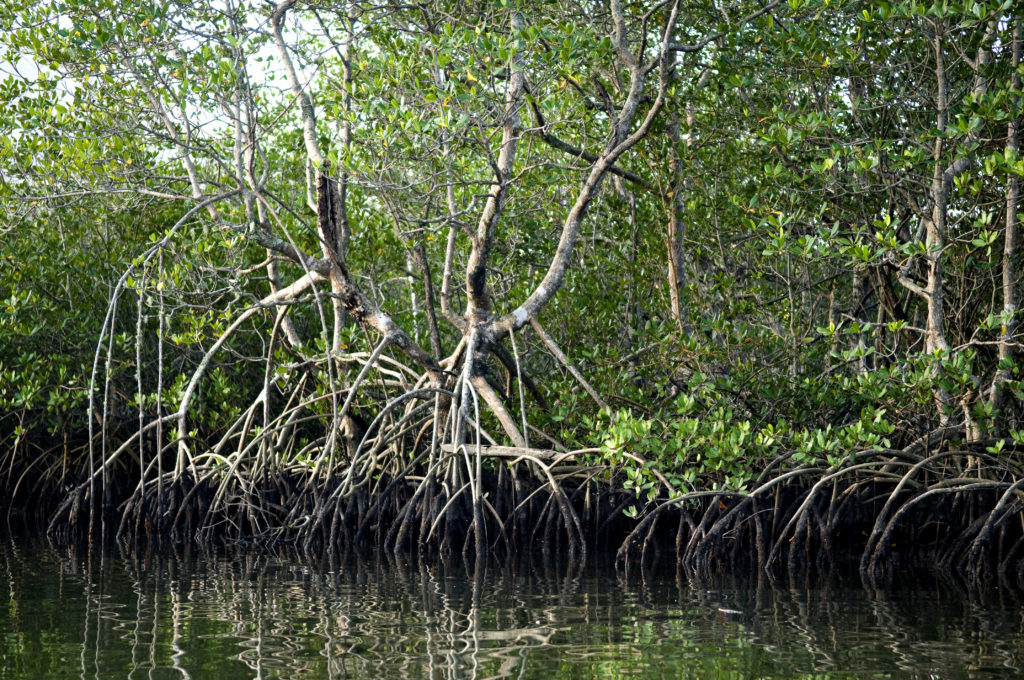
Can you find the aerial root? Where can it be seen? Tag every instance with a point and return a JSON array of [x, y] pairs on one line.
[[880, 508], [522, 503]]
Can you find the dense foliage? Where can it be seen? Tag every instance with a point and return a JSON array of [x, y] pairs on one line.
[[680, 238]]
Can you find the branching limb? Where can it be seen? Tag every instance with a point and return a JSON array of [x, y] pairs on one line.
[[564, 360]]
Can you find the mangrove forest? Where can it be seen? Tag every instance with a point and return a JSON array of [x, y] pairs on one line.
[[728, 283]]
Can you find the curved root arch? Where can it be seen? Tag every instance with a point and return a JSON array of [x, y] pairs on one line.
[[954, 509]]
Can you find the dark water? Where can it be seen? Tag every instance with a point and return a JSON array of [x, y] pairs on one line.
[[66, 614]]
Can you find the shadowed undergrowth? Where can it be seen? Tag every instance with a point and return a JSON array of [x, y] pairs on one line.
[[881, 510]]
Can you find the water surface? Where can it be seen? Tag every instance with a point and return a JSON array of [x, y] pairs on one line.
[[241, 614]]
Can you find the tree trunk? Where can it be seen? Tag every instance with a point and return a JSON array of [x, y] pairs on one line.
[[1009, 325]]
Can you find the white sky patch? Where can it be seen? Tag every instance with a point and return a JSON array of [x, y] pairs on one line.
[[24, 68]]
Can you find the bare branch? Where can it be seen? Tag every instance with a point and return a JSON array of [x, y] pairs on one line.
[[304, 98]]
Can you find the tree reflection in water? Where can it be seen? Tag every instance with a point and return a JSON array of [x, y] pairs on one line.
[[243, 614]]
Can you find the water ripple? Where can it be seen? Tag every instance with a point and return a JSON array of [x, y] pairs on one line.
[[65, 615]]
